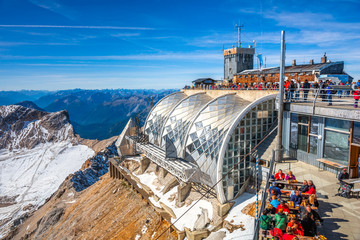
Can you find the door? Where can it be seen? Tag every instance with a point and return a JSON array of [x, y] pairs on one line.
[[354, 160]]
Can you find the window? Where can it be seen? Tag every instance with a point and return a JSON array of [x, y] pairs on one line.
[[294, 130], [337, 124], [303, 137], [336, 146], [356, 131]]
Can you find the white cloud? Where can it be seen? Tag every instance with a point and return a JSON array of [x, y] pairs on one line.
[[77, 27]]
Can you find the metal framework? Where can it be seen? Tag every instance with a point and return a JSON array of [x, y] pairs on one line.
[[177, 167]]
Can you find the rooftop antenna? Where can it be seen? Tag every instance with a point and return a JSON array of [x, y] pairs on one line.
[[239, 33]]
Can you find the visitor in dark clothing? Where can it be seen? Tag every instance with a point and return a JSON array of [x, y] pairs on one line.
[[309, 225], [305, 187]]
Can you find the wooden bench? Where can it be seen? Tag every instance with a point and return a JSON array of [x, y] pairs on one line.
[[337, 166]]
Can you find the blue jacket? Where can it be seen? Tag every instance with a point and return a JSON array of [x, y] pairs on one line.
[[275, 203], [296, 199], [277, 190]]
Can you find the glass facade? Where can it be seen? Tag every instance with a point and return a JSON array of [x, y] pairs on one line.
[[198, 126], [294, 130], [337, 136], [207, 133], [248, 133], [158, 115], [336, 146], [356, 133], [180, 119]]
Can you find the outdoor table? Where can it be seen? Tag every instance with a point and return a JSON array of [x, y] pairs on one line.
[[351, 181]]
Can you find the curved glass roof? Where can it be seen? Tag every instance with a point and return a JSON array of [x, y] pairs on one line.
[[207, 132], [156, 118], [180, 118]]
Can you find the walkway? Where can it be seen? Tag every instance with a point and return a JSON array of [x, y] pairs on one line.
[[341, 216]]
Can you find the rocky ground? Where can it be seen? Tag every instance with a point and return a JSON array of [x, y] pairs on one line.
[[108, 209]]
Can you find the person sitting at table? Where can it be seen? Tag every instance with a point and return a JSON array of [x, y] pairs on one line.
[[309, 225], [289, 235], [294, 188], [305, 187], [265, 222], [280, 175], [315, 214], [284, 207], [296, 226], [312, 188], [313, 201], [274, 202], [269, 209], [343, 175], [297, 198], [274, 193], [281, 220], [290, 176]]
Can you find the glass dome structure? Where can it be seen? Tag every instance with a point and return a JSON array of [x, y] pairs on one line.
[[213, 133]]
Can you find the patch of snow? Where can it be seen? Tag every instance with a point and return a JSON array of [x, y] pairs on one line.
[[238, 217], [189, 219], [34, 174], [143, 230]]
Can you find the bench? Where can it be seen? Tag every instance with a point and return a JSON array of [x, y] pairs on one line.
[[337, 166], [356, 191]]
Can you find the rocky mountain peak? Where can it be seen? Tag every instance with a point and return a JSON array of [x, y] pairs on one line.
[[22, 127]]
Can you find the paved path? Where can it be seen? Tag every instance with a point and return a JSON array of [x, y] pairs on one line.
[[341, 216]]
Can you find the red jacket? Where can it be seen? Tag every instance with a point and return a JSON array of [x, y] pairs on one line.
[[299, 231], [357, 94], [279, 177], [288, 236], [312, 190], [285, 207]]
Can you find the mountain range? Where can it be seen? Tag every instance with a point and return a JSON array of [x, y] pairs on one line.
[[94, 114]]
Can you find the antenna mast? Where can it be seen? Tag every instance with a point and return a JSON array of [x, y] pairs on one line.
[[239, 33]]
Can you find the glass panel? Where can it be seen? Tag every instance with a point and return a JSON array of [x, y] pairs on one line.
[[302, 138], [314, 125], [303, 119], [336, 146], [356, 135], [293, 131], [313, 145], [337, 124]]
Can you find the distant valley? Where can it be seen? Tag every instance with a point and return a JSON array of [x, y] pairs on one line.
[[94, 114]]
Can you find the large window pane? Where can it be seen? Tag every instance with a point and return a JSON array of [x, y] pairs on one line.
[[337, 124], [314, 125], [303, 119], [313, 145], [302, 138], [293, 131], [356, 135], [336, 146]]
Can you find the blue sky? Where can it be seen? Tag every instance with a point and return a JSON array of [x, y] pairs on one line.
[[64, 44]]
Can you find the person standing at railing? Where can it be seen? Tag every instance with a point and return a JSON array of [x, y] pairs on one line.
[[292, 90], [287, 90], [356, 98], [297, 90], [340, 92], [329, 93], [306, 86], [323, 86]]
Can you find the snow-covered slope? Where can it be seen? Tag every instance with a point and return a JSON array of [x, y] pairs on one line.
[[38, 150]]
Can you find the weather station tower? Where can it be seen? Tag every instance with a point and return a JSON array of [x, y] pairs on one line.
[[237, 59]]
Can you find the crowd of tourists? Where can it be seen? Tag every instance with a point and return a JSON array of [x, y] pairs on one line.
[[295, 90], [291, 210]]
